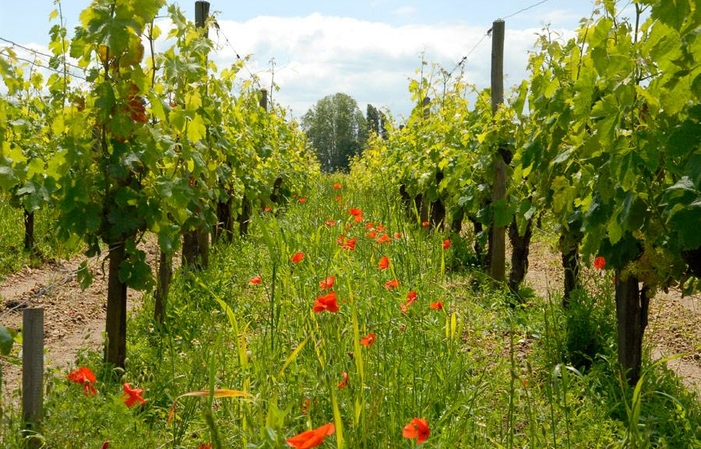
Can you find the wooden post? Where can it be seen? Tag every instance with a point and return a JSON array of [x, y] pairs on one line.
[[497, 247], [263, 99], [201, 14], [32, 373], [196, 242]]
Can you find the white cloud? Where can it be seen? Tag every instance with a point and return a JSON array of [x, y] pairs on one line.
[[405, 11], [320, 55]]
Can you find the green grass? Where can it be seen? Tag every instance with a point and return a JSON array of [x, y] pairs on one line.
[[482, 373], [13, 256]]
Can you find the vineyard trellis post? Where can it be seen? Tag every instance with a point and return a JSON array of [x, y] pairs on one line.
[[196, 242], [32, 373], [497, 240]]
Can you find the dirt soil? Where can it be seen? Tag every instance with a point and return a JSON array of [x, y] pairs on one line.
[[74, 319], [673, 325]]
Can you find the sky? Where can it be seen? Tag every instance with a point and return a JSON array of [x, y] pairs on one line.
[[368, 49]]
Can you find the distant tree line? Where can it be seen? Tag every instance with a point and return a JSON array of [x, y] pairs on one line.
[[337, 130]]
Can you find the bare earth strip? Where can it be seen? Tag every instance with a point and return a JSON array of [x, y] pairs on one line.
[[673, 329], [74, 319]]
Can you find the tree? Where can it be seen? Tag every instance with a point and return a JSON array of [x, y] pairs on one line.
[[336, 129], [376, 121]]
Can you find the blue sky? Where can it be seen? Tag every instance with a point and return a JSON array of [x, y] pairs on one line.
[[365, 48]]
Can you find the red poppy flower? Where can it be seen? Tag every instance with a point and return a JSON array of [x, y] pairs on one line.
[[327, 283], [305, 405], [446, 244], [424, 223], [380, 227], [330, 223], [344, 381], [337, 186], [132, 396], [326, 302], [384, 238], [349, 244], [205, 446], [85, 377], [372, 234], [354, 211], [302, 200], [368, 340], [599, 262], [311, 438], [410, 299], [297, 257], [339, 199], [398, 235], [255, 280], [267, 208], [390, 285], [369, 225], [384, 263], [82, 375], [417, 428], [438, 305]]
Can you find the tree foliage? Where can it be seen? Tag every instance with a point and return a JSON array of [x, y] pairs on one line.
[[336, 129]]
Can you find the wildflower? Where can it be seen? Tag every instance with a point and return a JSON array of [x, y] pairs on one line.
[[354, 211], [384, 263], [380, 227], [390, 285], [446, 244], [302, 200], [326, 302], [349, 244], [384, 238], [398, 235], [372, 234], [337, 186], [255, 280], [599, 262], [132, 396], [424, 224], [205, 446], [417, 428], [344, 381], [85, 377], [438, 305], [267, 208], [339, 199], [369, 225], [410, 299], [305, 406], [311, 438], [297, 257], [330, 223], [327, 283], [368, 340]]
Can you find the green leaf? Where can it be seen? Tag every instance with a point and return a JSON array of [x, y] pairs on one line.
[[7, 338], [84, 275], [624, 251], [685, 139], [686, 223]]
